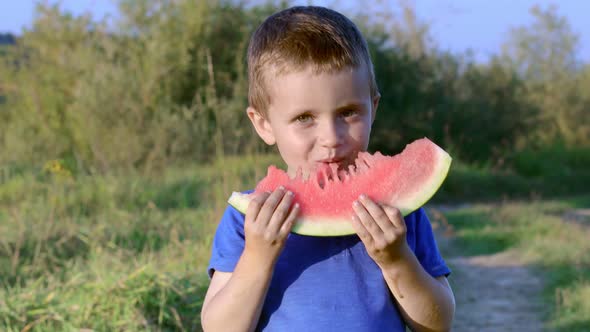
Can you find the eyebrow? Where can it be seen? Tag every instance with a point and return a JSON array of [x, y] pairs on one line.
[[355, 104]]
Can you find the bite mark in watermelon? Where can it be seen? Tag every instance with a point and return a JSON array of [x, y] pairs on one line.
[[405, 181]]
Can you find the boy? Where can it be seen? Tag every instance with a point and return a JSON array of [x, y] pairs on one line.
[[313, 94]]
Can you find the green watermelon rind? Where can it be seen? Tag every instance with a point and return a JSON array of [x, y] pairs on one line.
[[429, 189], [323, 226], [305, 225]]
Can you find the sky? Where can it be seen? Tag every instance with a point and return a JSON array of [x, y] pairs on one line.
[[456, 25]]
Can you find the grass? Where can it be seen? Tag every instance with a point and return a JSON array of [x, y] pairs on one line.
[[129, 252], [549, 172], [468, 183], [555, 248], [111, 253]]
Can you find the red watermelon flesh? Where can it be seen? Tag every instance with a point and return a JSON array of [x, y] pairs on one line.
[[406, 181]]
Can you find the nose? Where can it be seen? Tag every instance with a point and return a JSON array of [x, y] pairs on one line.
[[331, 134]]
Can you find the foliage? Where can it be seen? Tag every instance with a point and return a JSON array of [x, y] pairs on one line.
[[545, 55], [90, 111], [129, 252], [165, 87], [111, 253], [7, 38], [165, 83]]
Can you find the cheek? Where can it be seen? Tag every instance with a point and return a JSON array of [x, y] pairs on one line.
[[295, 140], [361, 131]]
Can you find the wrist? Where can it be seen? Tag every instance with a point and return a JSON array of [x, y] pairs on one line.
[[253, 262], [397, 262]]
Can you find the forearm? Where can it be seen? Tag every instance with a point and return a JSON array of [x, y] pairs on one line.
[[237, 306], [426, 303]]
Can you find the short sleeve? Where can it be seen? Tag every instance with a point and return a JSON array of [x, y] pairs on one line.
[[228, 242], [424, 242]]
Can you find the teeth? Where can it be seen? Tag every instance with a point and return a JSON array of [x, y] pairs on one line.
[[299, 174], [362, 163], [334, 169], [328, 171]]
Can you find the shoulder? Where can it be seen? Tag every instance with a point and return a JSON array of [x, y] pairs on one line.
[[417, 216], [231, 225], [228, 242], [421, 238], [419, 230], [232, 217]]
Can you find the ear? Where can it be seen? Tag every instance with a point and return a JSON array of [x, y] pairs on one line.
[[375, 105], [261, 125]]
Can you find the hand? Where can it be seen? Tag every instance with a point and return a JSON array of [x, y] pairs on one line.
[[269, 219], [382, 229]]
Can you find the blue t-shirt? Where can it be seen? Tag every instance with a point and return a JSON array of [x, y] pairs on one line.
[[327, 284]]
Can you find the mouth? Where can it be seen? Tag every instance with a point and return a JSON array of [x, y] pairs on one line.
[[331, 161], [341, 163]]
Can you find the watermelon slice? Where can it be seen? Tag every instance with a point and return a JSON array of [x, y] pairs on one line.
[[406, 181]]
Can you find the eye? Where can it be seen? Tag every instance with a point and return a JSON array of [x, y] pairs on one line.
[[304, 118], [348, 113]]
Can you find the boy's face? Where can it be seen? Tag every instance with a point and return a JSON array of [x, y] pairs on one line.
[[318, 118]]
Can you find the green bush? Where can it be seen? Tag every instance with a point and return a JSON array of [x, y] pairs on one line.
[[165, 83]]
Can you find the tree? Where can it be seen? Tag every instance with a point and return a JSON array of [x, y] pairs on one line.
[[7, 38], [547, 49], [545, 54], [164, 84]]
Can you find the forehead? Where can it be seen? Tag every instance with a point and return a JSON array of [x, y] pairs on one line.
[[308, 89]]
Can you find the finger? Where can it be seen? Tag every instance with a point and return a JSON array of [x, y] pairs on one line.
[[360, 230], [378, 214], [395, 216], [269, 206], [255, 206], [289, 221], [281, 212], [367, 220]]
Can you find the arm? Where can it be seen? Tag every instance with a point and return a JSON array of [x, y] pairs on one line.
[[426, 303], [234, 300]]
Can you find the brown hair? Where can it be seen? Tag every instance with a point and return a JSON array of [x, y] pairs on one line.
[[301, 36]]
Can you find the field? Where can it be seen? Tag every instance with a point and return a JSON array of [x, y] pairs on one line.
[[129, 253], [544, 240], [120, 253], [121, 140]]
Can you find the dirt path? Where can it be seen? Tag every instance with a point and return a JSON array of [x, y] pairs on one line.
[[579, 216], [495, 293], [492, 292]]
